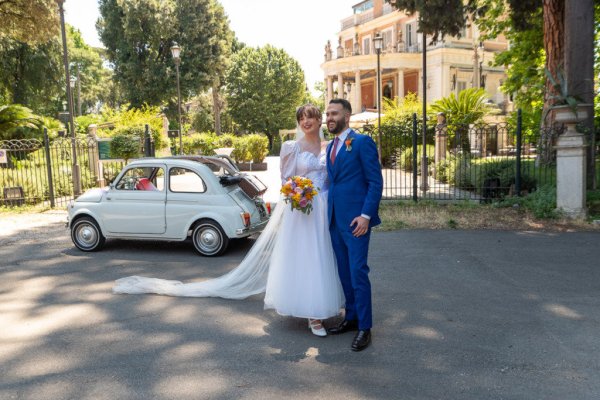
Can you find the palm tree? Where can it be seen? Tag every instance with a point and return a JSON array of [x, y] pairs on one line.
[[467, 108], [15, 115]]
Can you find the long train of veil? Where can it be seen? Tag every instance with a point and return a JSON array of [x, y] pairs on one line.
[[247, 279]]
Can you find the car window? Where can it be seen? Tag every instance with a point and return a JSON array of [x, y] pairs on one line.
[[185, 180], [142, 178]]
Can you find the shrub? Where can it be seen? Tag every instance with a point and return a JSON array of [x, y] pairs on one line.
[[226, 140], [240, 151], [404, 158], [200, 143], [125, 145], [258, 147]]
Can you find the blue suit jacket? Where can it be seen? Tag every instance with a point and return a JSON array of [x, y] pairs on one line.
[[355, 181]]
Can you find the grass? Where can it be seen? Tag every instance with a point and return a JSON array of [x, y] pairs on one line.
[[432, 215]]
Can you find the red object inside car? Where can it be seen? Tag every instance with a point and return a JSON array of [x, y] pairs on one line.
[[145, 184]]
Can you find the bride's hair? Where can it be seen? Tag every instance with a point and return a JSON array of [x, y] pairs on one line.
[[309, 111]]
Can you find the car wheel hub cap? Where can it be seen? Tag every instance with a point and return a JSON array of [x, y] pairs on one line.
[[87, 235], [209, 239]]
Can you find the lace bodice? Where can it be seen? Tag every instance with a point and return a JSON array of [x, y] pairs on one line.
[[294, 161]]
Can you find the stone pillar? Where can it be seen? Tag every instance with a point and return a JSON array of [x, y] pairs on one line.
[[357, 106], [340, 86], [329, 90], [571, 155], [95, 164], [441, 140], [400, 84]]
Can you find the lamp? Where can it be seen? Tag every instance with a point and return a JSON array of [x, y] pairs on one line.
[[175, 52], [76, 171], [378, 44]]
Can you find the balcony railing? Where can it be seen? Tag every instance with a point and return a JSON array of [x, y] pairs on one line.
[[401, 48], [364, 17]]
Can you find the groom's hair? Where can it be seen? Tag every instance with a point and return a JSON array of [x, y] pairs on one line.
[[345, 104]]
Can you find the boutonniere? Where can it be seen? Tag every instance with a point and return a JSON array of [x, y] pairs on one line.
[[348, 143]]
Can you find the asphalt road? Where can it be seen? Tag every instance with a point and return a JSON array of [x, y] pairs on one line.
[[458, 315]]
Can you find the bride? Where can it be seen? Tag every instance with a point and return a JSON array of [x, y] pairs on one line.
[[292, 261]]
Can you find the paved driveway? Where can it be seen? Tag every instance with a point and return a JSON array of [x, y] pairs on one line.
[[458, 315]]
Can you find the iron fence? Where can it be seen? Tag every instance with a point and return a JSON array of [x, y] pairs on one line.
[[33, 171], [481, 162]]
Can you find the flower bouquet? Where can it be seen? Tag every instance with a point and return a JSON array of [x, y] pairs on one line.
[[299, 192]]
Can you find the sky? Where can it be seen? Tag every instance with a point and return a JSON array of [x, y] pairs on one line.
[[301, 28]]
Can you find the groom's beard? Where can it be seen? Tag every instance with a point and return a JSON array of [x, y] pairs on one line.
[[339, 127]]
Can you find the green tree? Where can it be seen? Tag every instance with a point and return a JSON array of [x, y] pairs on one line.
[[125, 145], [138, 35], [264, 87], [15, 116], [28, 21], [32, 74], [461, 111], [86, 65]]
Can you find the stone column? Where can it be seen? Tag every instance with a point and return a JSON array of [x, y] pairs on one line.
[[571, 155], [441, 140], [400, 84], [329, 83], [357, 106], [95, 164], [340, 87]]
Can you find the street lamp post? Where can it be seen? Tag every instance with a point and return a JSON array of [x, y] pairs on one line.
[[175, 52], [76, 170], [378, 44]]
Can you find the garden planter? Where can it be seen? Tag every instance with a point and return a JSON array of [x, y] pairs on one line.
[[245, 166]]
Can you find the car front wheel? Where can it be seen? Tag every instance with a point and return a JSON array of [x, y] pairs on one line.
[[86, 234], [209, 238]]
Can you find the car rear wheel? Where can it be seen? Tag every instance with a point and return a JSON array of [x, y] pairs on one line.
[[86, 234], [209, 239]]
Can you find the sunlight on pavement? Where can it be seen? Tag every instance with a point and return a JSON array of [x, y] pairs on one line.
[[423, 332], [562, 311]]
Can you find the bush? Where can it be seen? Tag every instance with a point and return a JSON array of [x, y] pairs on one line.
[[226, 140], [542, 202], [404, 158], [125, 144], [240, 151], [258, 147], [200, 143]]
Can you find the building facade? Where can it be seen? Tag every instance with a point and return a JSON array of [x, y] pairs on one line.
[[453, 64]]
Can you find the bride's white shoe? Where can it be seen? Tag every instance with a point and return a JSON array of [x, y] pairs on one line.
[[316, 327]]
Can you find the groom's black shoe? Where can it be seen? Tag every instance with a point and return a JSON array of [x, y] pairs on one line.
[[345, 326], [361, 340]]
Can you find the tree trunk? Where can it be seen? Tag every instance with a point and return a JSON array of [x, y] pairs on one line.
[[579, 66], [216, 107], [554, 11]]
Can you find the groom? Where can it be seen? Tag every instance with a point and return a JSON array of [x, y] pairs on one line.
[[355, 190]]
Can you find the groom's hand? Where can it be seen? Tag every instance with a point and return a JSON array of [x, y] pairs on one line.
[[362, 226]]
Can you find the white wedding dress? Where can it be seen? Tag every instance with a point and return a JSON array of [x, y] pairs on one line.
[[292, 260]]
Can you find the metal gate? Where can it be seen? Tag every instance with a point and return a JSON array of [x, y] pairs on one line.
[[33, 171]]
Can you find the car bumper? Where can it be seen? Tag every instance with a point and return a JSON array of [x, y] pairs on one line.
[[251, 229]]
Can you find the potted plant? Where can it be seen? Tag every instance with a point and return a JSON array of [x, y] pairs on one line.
[[568, 109]]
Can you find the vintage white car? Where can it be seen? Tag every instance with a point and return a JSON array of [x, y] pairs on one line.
[[172, 199]]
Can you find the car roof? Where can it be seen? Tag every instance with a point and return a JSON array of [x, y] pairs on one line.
[[189, 160]]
